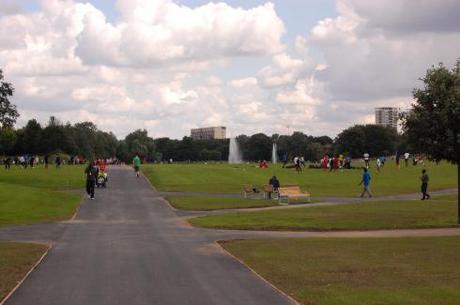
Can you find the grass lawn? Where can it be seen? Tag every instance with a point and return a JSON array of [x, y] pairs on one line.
[[67, 177], [16, 259], [36, 195], [26, 205], [225, 178], [208, 204], [366, 216], [358, 271]]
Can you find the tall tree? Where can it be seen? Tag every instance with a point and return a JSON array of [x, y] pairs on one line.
[[8, 112], [432, 125], [373, 139]]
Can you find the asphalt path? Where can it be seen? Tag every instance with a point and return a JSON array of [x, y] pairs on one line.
[[129, 247]]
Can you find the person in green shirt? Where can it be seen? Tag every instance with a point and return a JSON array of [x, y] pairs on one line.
[[137, 164]]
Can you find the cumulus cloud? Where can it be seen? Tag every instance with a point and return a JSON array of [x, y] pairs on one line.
[[244, 82], [368, 59], [168, 67], [153, 33]]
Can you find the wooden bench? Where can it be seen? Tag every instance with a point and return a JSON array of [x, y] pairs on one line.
[[249, 191], [291, 192]]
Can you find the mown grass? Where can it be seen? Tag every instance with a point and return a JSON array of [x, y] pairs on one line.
[[16, 259], [209, 203], [363, 216], [225, 178], [39, 195], [65, 178], [358, 271]]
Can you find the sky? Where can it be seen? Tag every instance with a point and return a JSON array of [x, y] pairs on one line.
[[316, 66]]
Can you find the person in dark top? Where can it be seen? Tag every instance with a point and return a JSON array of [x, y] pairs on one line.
[[46, 160], [424, 178], [58, 162], [7, 162], [285, 160], [275, 183], [91, 172]]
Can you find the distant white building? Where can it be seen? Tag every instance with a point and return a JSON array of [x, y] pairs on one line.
[[387, 116], [209, 133]]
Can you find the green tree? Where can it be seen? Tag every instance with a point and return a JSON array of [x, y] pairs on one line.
[[258, 147], [7, 140], [29, 138], [8, 112], [373, 139], [432, 125], [139, 142]]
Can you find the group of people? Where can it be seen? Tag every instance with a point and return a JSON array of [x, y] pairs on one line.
[[96, 176], [416, 159], [31, 161], [335, 162], [96, 173]]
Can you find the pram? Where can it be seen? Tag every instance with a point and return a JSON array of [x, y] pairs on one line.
[[102, 179]]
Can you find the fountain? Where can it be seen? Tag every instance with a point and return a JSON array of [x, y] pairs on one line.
[[274, 154], [234, 156]]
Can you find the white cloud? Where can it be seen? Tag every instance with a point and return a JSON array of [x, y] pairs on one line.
[[244, 82], [153, 33], [168, 67]]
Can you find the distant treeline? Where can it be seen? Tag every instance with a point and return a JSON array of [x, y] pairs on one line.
[[87, 141]]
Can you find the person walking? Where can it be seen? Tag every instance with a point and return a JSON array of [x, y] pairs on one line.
[[58, 161], [379, 164], [46, 160], [91, 172], [366, 181], [137, 164], [406, 159], [424, 178], [366, 159]]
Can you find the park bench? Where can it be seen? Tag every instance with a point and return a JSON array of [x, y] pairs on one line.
[[249, 191], [291, 192]]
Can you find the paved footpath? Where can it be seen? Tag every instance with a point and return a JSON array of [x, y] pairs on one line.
[[128, 247]]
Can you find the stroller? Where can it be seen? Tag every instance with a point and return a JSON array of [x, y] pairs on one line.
[[102, 179]]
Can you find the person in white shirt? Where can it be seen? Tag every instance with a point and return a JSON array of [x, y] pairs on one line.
[[366, 159], [406, 158]]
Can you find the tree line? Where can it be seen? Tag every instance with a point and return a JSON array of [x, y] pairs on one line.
[[87, 141]]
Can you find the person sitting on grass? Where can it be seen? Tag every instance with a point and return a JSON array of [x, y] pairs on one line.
[[366, 180], [263, 164]]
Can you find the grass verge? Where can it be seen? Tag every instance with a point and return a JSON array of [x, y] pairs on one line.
[[358, 271], [209, 203], [364, 216], [26, 205], [16, 259], [37, 194]]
